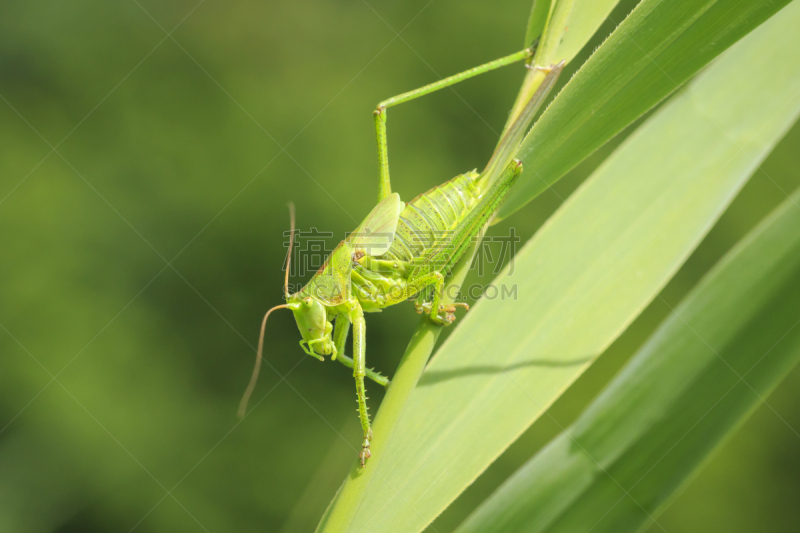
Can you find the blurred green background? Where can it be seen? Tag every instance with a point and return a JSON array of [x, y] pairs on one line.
[[148, 152]]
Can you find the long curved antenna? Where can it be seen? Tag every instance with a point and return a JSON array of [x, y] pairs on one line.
[[257, 367], [289, 256]]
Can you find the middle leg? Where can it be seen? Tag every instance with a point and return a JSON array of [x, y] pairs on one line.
[[443, 315]]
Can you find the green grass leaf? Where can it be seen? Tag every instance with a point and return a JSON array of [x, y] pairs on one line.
[[581, 280], [705, 370], [572, 23], [564, 26], [660, 45], [540, 10]]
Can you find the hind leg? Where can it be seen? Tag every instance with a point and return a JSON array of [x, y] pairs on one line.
[[385, 188]]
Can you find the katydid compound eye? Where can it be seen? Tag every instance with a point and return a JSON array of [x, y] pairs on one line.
[[308, 302]]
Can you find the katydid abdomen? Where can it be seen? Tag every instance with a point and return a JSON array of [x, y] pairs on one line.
[[433, 232], [429, 218]]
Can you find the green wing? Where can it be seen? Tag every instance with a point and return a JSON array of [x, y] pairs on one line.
[[375, 235], [331, 284]]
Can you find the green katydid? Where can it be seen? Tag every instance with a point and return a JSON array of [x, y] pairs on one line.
[[402, 251]]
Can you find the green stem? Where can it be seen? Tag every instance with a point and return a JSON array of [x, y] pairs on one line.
[[343, 509]]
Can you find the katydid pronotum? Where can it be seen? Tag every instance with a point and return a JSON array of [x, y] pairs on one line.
[[403, 251]]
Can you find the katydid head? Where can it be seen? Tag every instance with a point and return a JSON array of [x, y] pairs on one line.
[[311, 317]]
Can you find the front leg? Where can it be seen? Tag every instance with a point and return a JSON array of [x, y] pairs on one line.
[[359, 371], [340, 331]]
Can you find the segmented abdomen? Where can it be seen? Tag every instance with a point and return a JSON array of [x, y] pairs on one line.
[[428, 219]]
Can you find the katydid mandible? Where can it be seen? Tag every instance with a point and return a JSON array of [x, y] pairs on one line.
[[402, 251]]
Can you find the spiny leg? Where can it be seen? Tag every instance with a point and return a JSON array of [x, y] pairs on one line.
[[359, 348], [340, 331], [385, 188], [381, 380]]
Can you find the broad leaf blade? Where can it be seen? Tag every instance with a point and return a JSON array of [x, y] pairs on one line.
[[581, 280], [697, 379], [660, 45]]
